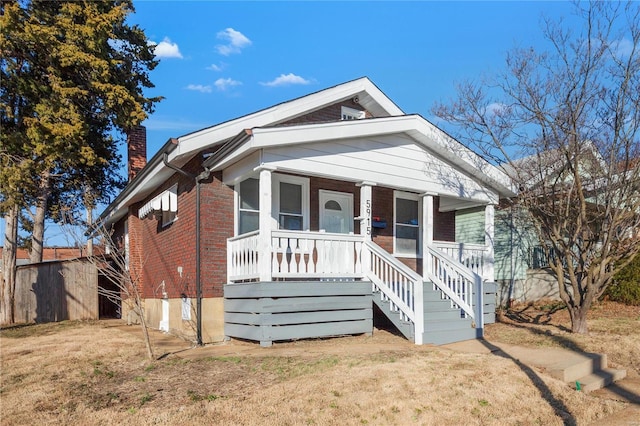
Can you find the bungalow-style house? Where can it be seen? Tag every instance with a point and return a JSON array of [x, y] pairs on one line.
[[297, 220]]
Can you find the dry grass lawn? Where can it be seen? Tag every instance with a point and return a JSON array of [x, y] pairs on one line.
[[95, 373]]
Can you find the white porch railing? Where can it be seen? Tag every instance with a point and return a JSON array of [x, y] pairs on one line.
[[470, 255], [456, 281], [307, 254], [242, 257], [400, 285], [304, 254]]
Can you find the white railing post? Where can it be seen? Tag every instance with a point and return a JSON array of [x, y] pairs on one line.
[[427, 233], [365, 209], [366, 230], [489, 214], [265, 216]]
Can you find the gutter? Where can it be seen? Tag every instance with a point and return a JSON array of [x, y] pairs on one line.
[[197, 178]]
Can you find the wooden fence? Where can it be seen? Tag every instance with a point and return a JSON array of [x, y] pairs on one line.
[[56, 291]]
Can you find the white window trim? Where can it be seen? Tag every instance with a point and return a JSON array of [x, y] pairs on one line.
[[413, 197], [237, 203], [347, 113], [295, 180]]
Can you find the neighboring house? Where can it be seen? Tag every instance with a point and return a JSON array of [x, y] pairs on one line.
[[522, 272], [293, 221]]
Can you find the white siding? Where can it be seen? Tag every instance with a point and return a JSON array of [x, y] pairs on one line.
[[394, 161]]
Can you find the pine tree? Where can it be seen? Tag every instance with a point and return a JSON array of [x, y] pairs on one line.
[[73, 79]]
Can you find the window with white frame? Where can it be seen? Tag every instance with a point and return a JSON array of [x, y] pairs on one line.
[[347, 113], [407, 231], [291, 202], [249, 206]]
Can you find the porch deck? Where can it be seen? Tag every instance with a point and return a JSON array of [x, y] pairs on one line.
[[314, 284]]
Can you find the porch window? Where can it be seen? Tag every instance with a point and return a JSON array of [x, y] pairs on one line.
[[407, 225], [249, 206], [292, 202]]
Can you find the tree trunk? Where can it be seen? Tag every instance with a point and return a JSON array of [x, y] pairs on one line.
[[9, 257], [145, 330], [37, 237], [578, 316]]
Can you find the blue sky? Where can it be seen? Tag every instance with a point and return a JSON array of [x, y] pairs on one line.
[[221, 60]]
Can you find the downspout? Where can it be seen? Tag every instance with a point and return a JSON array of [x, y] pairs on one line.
[[197, 178]]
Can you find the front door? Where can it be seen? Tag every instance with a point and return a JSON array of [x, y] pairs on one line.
[[336, 211]]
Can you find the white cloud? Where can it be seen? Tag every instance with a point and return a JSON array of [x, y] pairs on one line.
[[199, 88], [235, 42], [214, 67], [223, 84], [622, 48], [495, 108], [166, 49], [286, 80]]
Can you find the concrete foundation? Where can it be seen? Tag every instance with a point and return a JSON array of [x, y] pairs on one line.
[[539, 284], [182, 318]]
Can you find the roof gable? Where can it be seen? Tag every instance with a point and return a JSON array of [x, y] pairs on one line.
[[179, 151]]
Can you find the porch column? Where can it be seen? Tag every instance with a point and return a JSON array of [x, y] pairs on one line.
[[488, 270], [427, 232], [264, 244], [365, 209]]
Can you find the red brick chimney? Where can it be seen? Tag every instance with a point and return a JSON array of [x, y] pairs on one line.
[[137, 150]]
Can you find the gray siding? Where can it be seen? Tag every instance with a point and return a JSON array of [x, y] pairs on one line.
[[284, 310], [470, 226]]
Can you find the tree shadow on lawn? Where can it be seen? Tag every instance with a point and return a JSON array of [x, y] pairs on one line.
[[539, 318], [624, 393], [559, 408]]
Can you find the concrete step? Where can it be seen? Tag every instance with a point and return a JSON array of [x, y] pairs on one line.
[[573, 366], [589, 369], [599, 379]]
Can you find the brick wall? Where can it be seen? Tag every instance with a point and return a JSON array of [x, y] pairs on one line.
[[170, 247], [136, 150]]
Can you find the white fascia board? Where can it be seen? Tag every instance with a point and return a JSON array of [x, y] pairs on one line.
[[372, 97]]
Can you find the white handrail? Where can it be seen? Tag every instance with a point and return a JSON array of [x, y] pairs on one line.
[[473, 256], [454, 279], [398, 284]]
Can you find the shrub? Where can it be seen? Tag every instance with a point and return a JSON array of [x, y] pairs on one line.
[[625, 287]]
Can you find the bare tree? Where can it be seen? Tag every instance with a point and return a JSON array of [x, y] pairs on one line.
[[112, 261], [564, 122]]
